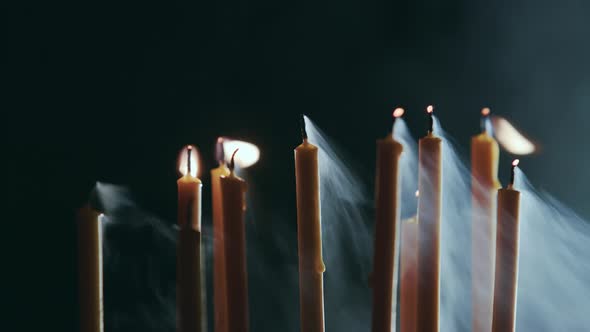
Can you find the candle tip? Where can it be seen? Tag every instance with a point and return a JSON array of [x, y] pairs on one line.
[[302, 124], [189, 149], [430, 111], [515, 163], [485, 111], [232, 162], [398, 112]]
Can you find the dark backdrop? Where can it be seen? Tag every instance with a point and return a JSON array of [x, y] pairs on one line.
[[110, 91]]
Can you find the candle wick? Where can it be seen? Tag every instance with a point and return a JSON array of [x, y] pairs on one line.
[[303, 130], [430, 123], [188, 163], [512, 175], [232, 162]]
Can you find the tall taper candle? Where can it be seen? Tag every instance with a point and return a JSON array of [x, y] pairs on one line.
[[506, 280], [90, 270], [484, 187], [429, 212], [189, 276], [386, 221], [309, 235], [233, 190], [219, 273]]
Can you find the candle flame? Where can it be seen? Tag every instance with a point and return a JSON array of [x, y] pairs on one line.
[[510, 138], [398, 112], [247, 155], [485, 111], [430, 109], [183, 165], [417, 193], [515, 162]]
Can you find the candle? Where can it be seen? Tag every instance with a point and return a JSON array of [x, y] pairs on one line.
[[189, 275], [219, 274], [484, 185], [429, 209], [233, 191], [309, 236], [506, 277], [90, 270], [409, 275], [386, 218]]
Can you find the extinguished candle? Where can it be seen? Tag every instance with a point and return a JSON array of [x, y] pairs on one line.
[[429, 212], [309, 236], [506, 276], [386, 221], [189, 274], [219, 273], [90, 270], [484, 187], [233, 190], [409, 275]]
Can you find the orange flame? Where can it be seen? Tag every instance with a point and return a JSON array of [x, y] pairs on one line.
[[398, 112], [430, 109], [485, 111], [183, 161], [515, 162]]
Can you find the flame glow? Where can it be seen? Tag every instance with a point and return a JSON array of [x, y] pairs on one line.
[[430, 109], [183, 161], [247, 155], [510, 138], [485, 111], [417, 193], [515, 162], [398, 112]]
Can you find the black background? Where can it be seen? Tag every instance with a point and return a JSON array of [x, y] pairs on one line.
[[110, 91]]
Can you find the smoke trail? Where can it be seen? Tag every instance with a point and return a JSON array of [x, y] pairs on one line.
[[139, 265], [554, 264], [455, 306], [408, 169], [347, 240]]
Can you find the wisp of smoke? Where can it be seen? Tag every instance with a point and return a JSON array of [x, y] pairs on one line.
[[346, 238], [554, 264], [455, 260]]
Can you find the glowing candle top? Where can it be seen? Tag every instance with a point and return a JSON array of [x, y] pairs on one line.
[[188, 161], [248, 156]]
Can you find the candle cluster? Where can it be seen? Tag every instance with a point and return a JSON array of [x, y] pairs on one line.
[[409, 248]]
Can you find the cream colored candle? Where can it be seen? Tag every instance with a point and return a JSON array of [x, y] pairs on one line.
[[309, 235], [409, 275], [506, 276], [219, 273], [189, 274], [484, 187], [233, 191], [429, 212], [386, 220], [90, 270]]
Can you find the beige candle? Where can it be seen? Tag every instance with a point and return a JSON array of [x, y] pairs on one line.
[[506, 277], [233, 191], [309, 235], [189, 274], [484, 186], [429, 211], [219, 273], [90, 270], [386, 219], [409, 275]]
